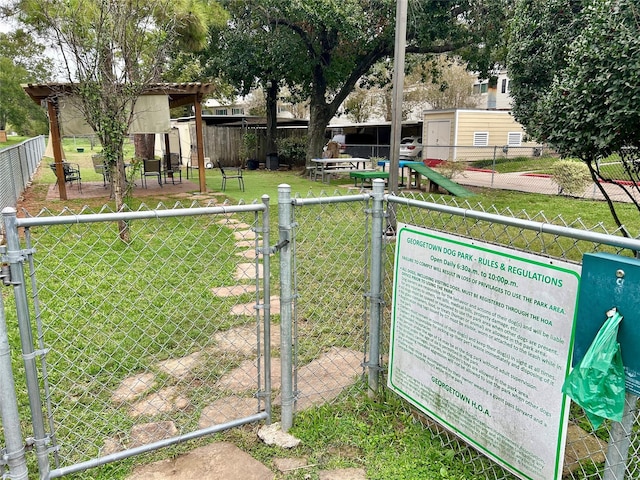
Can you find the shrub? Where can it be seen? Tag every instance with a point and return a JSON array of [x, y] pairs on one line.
[[571, 177], [293, 150], [451, 169]]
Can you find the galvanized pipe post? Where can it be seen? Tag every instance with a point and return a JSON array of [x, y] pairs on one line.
[[266, 289], [286, 304], [16, 259], [620, 441], [375, 292], [15, 453]]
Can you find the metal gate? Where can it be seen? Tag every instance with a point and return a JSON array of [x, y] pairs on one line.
[[132, 345]]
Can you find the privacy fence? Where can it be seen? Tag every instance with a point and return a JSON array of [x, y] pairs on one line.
[[212, 317], [17, 166]]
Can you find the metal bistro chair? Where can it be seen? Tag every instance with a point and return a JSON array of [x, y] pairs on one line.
[[150, 168], [100, 167], [176, 169], [225, 176], [71, 173]]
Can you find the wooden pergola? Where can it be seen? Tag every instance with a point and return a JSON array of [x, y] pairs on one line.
[[179, 94]]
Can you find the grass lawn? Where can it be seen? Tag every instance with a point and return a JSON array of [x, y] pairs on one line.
[[381, 436]]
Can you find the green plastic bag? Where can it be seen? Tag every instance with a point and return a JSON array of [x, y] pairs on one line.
[[597, 382]]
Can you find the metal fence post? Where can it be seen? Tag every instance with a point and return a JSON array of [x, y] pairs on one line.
[[16, 259], [493, 165], [286, 301], [266, 288], [15, 453], [620, 441], [375, 293]]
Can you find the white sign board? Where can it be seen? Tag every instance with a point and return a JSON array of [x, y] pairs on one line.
[[481, 341]]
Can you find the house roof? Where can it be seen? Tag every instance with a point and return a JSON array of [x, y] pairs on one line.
[[245, 121], [179, 93]]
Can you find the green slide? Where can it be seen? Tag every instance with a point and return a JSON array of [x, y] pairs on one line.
[[450, 186]]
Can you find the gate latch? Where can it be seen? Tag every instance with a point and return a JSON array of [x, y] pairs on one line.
[[280, 246]]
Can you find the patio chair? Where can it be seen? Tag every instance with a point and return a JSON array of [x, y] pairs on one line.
[[150, 168], [71, 173], [226, 176], [193, 163], [175, 169], [100, 167]]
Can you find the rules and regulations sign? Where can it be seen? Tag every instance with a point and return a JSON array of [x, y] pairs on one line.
[[481, 341]]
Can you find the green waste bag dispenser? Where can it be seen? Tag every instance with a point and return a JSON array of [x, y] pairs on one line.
[[610, 281]]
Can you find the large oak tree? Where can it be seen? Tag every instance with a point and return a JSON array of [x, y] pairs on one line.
[[321, 48]]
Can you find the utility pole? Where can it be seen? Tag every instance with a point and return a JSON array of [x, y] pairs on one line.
[[396, 113]]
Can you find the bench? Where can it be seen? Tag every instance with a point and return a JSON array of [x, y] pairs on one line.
[[366, 175]]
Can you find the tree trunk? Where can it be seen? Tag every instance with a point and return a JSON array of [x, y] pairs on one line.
[[320, 115], [272, 116], [144, 145]]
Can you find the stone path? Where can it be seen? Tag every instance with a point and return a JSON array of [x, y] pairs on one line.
[[330, 374]]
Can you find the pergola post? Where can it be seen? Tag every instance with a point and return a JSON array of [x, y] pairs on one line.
[[56, 144], [200, 143]]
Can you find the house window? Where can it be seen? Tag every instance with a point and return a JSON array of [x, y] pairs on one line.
[[480, 139], [514, 139], [504, 87], [237, 111], [480, 88], [221, 111]]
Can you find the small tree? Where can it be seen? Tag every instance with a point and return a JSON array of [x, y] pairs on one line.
[[248, 146], [112, 51]]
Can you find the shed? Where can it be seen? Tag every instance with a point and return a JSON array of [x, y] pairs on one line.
[[469, 134]]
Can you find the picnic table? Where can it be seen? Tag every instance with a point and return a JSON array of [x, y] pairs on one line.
[[324, 168]]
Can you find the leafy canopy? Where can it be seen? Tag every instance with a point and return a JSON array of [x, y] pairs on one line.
[[574, 73], [22, 60]]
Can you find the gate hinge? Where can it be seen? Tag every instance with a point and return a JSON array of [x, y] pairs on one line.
[[11, 257], [5, 274]]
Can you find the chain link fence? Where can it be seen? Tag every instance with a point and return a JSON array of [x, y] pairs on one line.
[[586, 448], [17, 166], [132, 346], [148, 343]]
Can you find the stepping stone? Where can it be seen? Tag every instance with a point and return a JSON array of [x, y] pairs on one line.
[[239, 226], [180, 367], [247, 271], [581, 445], [218, 461], [249, 254], [166, 400], [228, 221], [343, 474], [226, 409], [249, 308], [243, 340], [245, 244], [234, 291], [324, 378], [244, 235], [151, 432], [244, 377], [288, 464], [132, 387]]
